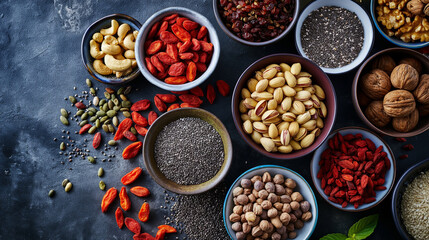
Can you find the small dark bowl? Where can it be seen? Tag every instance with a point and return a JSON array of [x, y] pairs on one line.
[[318, 77], [233, 36], [149, 146], [101, 23], [396, 53], [399, 190]]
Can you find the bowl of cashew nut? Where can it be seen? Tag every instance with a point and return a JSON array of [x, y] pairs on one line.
[[108, 49]]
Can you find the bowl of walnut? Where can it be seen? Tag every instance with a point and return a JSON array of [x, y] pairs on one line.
[[403, 23], [391, 92]]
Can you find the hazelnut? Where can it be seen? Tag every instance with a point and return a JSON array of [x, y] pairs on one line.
[[296, 196], [294, 205], [376, 115], [292, 235], [264, 215], [246, 228], [285, 199], [280, 190], [407, 123], [292, 217], [376, 84], [265, 235], [266, 177], [415, 7], [413, 63], [236, 226], [422, 91], [238, 209], [305, 206], [248, 207], [278, 206], [281, 230], [257, 231], [263, 194], [279, 179], [252, 198], [398, 103], [258, 185], [246, 183], [240, 235], [298, 213], [234, 217], [247, 191], [257, 209], [259, 200], [276, 222], [256, 222], [272, 198], [270, 187], [272, 212], [255, 178], [306, 216], [423, 110], [255, 193], [286, 208], [290, 227], [363, 99], [264, 225], [285, 218], [243, 218], [266, 205], [250, 217], [298, 224], [242, 199], [290, 183], [237, 191], [404, 77], [276, 236], [385, 63], [288, 191]]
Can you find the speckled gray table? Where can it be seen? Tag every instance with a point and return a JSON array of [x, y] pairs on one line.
[[41, 63]]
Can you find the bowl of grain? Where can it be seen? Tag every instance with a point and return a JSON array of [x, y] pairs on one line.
[[187, 151], [335, 34], [410, 204]]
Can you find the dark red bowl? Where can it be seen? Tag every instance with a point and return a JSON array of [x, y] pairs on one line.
[[318, 77]]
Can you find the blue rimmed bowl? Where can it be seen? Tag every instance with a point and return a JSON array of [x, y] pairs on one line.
[[302, 186], [105, 22]]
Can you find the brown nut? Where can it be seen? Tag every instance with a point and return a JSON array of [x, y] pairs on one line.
[[415, 7], [376, 115], [272, 212], [270, 187], [298, 224], [376, 84], [242, 199], [263, 194], [294, 205], [398, 103], [266, 177], [407, 123], [240, 235], [246, 183], [264, 225], [258, 185], [272, 197], [246, 228], [296, 196], [413, 63], [237, 191], [285, 199], [385, 63], [422, 91], [306, 216], [257, 231], [305, 206], [234, 217], [286, 208], [238, 209], [405, 77], [257, 209], [426, 10], [236, 226], [280, 190], [290, 183], [285, 218], [279, 179]]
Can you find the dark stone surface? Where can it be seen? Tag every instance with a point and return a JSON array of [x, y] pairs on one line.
[[41, 64]]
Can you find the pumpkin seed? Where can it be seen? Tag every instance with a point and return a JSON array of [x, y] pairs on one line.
[[127, 90], [124, 109], [91, 109], [105, 107], [64, 120], [103, 119], [80, 112], [107, 121], [111, 142], [112, 96], [115, 121], [102, 185], [102, 102], [92, 130], [92, 91], [84, 116], [68, 187], [111, 113], [93, 118], [88, 82], [72, 99], [51, 193], [126, 114], [101, 113], [126, 104], [64, 183], [64, 113], [62, 146], [105, 128], [120, 91], [107, 95], [100, 172], [116, 108], [91, 113], [91, 159], [81, 124], [116, 102], [133, 130], [97, 123], [111, 128], [123, 97], [95, 101], [110, 104]]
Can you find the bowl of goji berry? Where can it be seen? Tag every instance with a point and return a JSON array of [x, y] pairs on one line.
[[177, 49], [354, 170]]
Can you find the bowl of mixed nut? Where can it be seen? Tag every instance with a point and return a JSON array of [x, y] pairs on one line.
[[270, 202], [284, 106]]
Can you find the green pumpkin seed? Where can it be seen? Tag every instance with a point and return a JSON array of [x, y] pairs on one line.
[[123, 97], [126, 104], [107, 121], [91, 109], [72, 99], [80, 112], [101, 113], [110, 104], [112, 96], [102, 185], [116, 102], [81, 124], [107, 95], [102, 102], [68, 187], [120, 91], [93, 118], [64, 120], [126, 114], [112, 143], [100, 172], [133, 130], [51, 193], [105, 107], [103, 119], [116, 108], [62, 146], [95, 101], [64, 113], [111, 128], [92, 91], [127, 90], [84, 116], [124, 109], [91, 159], [111, 113], [92, 130], [105, 128], [97, 123], [88, 82], [91, 113], [64, 183], [115, 121]]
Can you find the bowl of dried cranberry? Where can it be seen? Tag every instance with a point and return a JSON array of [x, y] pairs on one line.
[[354, 170], [256, 23], [177, 49]]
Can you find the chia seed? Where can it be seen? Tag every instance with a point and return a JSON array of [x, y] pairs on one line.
[[189, 151], [332, 36]]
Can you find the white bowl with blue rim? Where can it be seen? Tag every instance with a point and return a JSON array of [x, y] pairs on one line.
[[389, 177], [360, 13], [302, 186]]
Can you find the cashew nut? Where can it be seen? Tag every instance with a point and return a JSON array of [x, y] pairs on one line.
[[111, 30], [119, 56], [94, 50], [129, 41], [98, 37], [110, 45], [122, 31], [129, 54], [135, 33], [101, 68], [133, 63], [115, 64]]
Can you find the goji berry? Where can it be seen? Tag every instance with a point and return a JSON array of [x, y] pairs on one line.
[[196, 46], [170, 17], [211, 95], [180, 21], [132, 225], [140, 191], [160, 235], [97, 140], [154, 47], [186, 45], [191, 99], [191, 71], [408, 147], [177, 69], [108, 198], [124, 199], [132, 150], [162, 28], [176, 80], [364, 181], [167, 98], [139, 119], [85, 128], [130, 136], [172, 51], [123, 126], [185, 105], [222, 87], [150, 66], [131, 176], [203, 57], [401, 139], [189, 25], [173, 106], [157, 63], [165, 58], [180, 32], [168, 37], [80, 105], [140, 105], [197, 91], [152, 116], [144, 212], [141, 130], [404, 156], [186, 56], [167, 228], [206, 47], [160, 104], [153, 30], [195, 57], [143, 236], [180, 92], [119, 216], [201, 67], [202, 32]]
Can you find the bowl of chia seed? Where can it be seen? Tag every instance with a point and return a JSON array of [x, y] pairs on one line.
[[336, 34], [187, 151]]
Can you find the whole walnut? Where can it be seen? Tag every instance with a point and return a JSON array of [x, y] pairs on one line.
[[422, 91], [399, 103], [385, 63], [407, 123], [376, 84], [416, 64], [363, 99], [376, 115], [423, 110], [404, 76], [415, 7]]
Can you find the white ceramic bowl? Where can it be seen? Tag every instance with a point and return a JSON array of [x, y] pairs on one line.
[[351, 6], [302, 186], [389, 177], [194, 16]]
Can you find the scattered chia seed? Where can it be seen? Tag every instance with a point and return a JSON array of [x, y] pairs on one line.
[[189, 151], [332, 36]]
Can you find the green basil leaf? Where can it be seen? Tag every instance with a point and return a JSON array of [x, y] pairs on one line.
[[334, 236], [364, 227]]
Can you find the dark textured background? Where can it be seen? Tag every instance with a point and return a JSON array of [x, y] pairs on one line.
[[41, 63]]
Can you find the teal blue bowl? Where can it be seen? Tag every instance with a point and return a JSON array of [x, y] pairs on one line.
[[302, 186]]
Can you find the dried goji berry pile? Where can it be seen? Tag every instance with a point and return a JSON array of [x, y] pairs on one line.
[[352, 169]]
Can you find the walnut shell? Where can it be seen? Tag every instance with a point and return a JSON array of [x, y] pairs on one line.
[[363, 99], [407, 123], [423, 110], [416, 64], [376, 84], [415, 7], [422, 91], [385, 63], [376, 115], [399, 103], [404, 76]]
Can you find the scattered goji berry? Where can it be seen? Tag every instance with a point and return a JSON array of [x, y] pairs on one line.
[[123, 126], [191, 99], [108, 198], [141, 130], [80, 105], [132, 150], [197, 91], [130, 136], [143, 236], [404, 156], [185, 105], [119, 215], [131, 176], [152, 116], [85, 128], [160, 104], [97, 140], [140, 105], [133, 225], [167, 98], [124, 199], [160, 235], [211, 95], [140, 191], [167, 228], [408, 147], [173, 106], [222, 87], [180, 92], [144, 212], [139, 119], [400, 139]]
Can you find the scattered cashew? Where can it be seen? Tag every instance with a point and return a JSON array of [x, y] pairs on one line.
[[110, 45], [115, 64], [129, 41], [101, 68], [122, 31], [111, 30], [129, 54], [98, 37]]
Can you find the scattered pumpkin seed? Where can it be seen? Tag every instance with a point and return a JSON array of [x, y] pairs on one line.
[[111, 113], [84, 116], [127, 90], [123, 97], [126, 114], [100, 172], [91, 109], [126, 104], [81, 124], [64, 120], [120, 91], [95, 101], [105, 107], [133, 130], [72, 99], [93, 118], [102, 185], [80, 112], [103, 119], [91, 159], [97, 123], [102, 102], [64, 183], [91, 113], [116, 102], [62, 146], [116, 108], [110, 104], [92, 91], [111, 142], [88, 82], [64, 113], [101, 113], [124, 109], [107, 121], [68, 187], [107, 95], [51, 193], [115, 121], [105, 128], [111, 128], [112, 96], [92, 130]]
